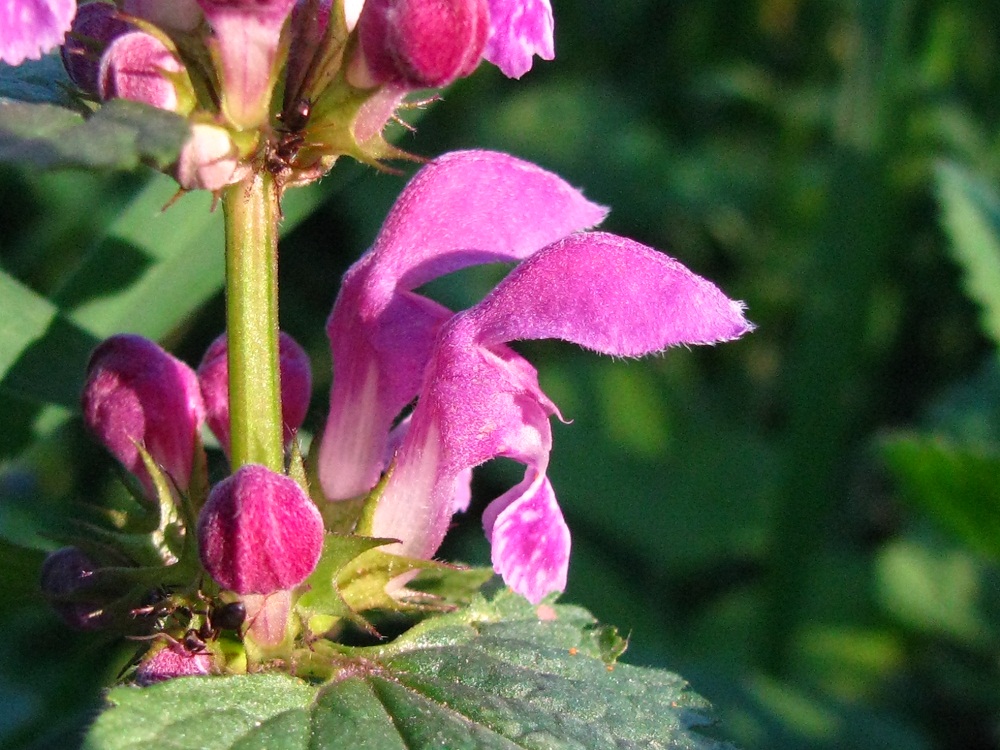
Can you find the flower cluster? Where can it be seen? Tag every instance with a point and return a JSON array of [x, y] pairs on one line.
[[259, 534], [282, 85]]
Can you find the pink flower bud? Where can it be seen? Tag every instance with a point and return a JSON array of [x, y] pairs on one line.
[[66, 575], [209, 160], [424, 43], [95, 26], [296, 386], [136, 393], [246, 42], [173, 660], [175, 15], [259, 532], [136, 66]]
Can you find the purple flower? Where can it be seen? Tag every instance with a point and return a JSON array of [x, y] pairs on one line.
[[476, 398], [30, 28], [94, 27], [519, 29], [462, 209]]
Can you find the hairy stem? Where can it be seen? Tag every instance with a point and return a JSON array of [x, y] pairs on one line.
[[252, 211]]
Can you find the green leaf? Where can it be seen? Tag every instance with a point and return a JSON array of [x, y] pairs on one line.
[[971, 216], [956, 484], [941, 590], [491, 676], [35, 341], [150, 272], [38, 82], [120, 135]]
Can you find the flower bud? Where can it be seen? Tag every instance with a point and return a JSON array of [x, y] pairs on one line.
[[95, 26], [424, 43], [66, 575], [209, 160], [245, 44], [136, 393], [173, 660], [296, 386], [259, 532], [138, 66], [175, 15]]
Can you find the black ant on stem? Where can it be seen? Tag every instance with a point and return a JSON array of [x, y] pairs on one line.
[[290, 138]]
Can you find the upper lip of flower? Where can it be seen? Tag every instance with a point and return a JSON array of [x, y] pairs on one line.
[[477, 398]]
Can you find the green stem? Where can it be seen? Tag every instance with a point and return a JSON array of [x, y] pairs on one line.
[[252, 211]]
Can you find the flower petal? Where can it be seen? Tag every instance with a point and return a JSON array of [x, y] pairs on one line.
[[529, 538], [609, 294], [463, 209], [519, 29], [478, 404], [31, 28]]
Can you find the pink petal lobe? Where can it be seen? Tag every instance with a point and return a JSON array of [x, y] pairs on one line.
[[529, 538], [472, 207], [31, 28], [609, 294], [519, 29], [478, 404]]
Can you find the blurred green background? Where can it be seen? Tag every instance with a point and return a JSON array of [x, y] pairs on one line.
[[805, 523]]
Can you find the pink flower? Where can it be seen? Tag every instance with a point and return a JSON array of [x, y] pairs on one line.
[[296, 386], [462, 209], [31, 28], [431, 43], [137, 394], [476, 398], [209, 159], [259, 532]]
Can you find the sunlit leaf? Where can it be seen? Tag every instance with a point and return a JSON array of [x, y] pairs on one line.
[[492, 676], [971, 215]]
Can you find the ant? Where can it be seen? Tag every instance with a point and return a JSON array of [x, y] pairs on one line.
[[291, 138], [216, 619]]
